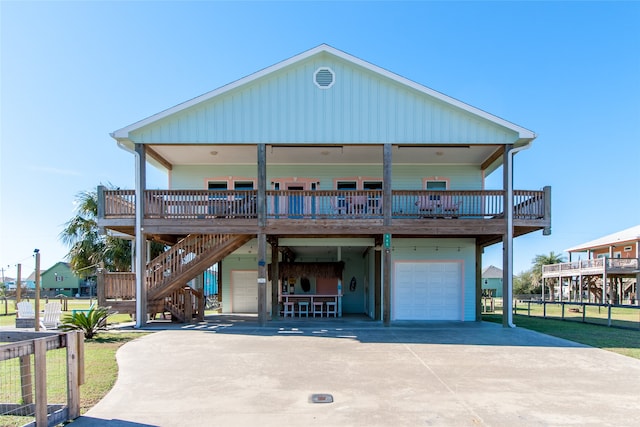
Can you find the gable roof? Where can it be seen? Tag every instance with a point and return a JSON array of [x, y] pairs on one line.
[[523, 135], [625, 236], [492, 272], [65, 264]]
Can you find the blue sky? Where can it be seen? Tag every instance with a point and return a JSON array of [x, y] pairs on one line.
[[72, 72]]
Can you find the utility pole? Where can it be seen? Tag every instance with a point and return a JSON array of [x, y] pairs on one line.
[[19, 283], [37, 317]]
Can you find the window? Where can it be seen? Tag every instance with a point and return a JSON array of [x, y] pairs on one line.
[[346, 185], [372, 185], [243, 185], [213, 185], [435, 186]]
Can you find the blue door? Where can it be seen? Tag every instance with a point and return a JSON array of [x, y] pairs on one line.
[[295, 203]]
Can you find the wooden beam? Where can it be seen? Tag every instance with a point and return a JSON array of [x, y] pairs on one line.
[[157, 157], [492, 158]]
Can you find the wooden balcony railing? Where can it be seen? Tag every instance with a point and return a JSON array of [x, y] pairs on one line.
[[119, 286], [322, 204], [591, 266]]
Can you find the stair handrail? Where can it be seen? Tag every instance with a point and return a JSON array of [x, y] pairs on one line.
[[176, 259]]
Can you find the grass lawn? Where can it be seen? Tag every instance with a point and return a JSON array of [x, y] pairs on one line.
[[622, 341], [101, 372]]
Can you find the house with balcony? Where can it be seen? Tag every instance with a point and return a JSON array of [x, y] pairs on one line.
[[607, 270], [320, 186]]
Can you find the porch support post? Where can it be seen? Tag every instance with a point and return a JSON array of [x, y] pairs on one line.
[[275, 279], [387, 198], [140, 256], [507, 240], [262, 237], [478, 282], [386, 255], [377, 312]]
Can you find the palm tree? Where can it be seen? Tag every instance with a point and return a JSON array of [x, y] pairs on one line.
[[541, 260], [81, 233]]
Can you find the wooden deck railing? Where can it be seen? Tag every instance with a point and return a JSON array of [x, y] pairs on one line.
[[591, 266], [322, 204], [119, 286]]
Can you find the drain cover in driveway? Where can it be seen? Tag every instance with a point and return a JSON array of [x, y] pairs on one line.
[[321, 398]]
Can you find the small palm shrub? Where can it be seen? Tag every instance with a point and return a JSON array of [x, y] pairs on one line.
[[89, 322]]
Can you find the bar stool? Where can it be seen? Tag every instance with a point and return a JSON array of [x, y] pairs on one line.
[[303, 308], [331, 308], [317, 308], [288, 308]]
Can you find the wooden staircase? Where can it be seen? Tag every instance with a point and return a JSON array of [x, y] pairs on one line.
[[169, 273]]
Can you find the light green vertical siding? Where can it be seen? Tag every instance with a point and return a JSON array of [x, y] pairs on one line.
[[287, 107], [405, 177]]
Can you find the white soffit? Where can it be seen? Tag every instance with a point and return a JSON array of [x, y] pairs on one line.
[[348, 154]]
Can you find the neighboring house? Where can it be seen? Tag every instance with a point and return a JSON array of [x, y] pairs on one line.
[[606, 266], [492, 281], [320, 175], [60, 280], [30, 282]]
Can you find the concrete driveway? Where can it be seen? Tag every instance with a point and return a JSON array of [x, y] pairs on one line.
[[230, 372]]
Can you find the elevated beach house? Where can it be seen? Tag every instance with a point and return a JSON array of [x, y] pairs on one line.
[[320, 186], [607, 270]]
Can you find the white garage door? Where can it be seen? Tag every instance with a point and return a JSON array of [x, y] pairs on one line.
[[428, 291], [244, 292]]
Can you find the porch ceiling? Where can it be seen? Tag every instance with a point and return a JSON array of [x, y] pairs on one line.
[[321, 154]]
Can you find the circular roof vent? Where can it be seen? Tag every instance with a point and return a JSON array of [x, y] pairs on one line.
[[324, 77]]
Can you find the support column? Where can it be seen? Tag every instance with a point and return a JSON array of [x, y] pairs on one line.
[[478, 282], [140, 246], [262, 237], [387, 161], [387, 199], [275, 280], [339, 308], [377, 279], [507, 240], [386, 287]]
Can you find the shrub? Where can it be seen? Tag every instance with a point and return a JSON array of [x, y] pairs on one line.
[[89, 322]]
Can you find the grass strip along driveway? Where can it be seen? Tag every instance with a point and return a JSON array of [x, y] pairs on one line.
[[622, 341]]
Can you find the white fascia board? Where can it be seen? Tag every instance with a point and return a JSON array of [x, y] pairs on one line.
[[524, 134]]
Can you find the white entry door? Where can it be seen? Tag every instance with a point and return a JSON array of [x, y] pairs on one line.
[[244, 292], [428, 291]]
